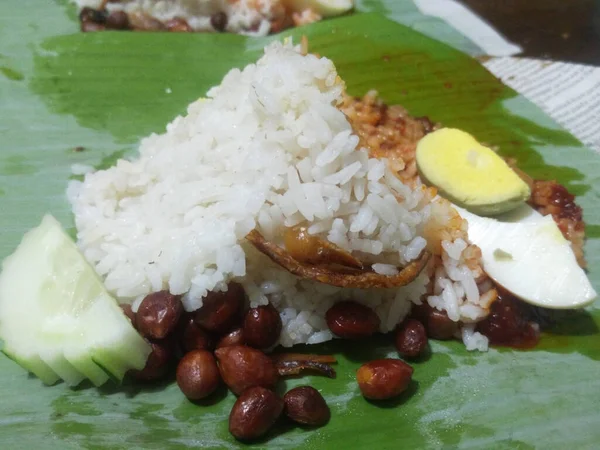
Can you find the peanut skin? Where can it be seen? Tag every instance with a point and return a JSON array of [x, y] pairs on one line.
[[234, 337], [383, 378], [351, 320], [254, 413], [411, 338], [198, 375], [220, 311], [262, 326], [306, 405], [243, 367], [158, 314]]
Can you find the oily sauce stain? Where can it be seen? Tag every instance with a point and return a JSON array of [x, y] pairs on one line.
[[509, 324]]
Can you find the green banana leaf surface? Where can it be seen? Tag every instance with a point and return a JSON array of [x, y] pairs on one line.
[[62, 90]]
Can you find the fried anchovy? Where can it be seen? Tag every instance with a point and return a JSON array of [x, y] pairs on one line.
[[360, 280], [288, 368]]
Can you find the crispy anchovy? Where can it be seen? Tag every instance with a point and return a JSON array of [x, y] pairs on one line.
[[316, 251], [288, 368], [361, 280], [280, 357]]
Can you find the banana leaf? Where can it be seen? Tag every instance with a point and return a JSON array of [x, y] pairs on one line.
[[72, 98]]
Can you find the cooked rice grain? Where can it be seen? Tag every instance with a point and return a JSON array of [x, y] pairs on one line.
[[176, 216]]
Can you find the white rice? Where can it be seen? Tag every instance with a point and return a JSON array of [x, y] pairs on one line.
[[473, 340], [268, 149], [249, 17]]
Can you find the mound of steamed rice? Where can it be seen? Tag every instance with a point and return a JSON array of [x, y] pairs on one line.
[[269, 149]]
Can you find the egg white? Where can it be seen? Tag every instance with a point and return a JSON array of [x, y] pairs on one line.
[[526, 253]]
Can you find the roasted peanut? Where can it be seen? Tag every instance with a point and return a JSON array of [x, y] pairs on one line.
[[178, 25], [158, 362], [383, 378], [92, 15], [254, 412], [305, 405], [440, 326], [437, 323], [234, 337], [411, 338], [117, 20], [194, 337], [219, 21], [242, 367], [220, 311], [158, 314], [197, 374], [351, 320], [262, 326]]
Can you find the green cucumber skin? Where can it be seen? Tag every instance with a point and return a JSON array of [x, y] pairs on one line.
[[118, 361], [99, 363], [63, 368], [99, 344], [108, 373], [35, 366], [87, 366], [111, 362]]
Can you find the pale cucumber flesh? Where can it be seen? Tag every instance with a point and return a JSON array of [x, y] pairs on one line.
[[59, 364], [20, 319], [88, 368], [56, 318], [35, 366], [115, 352]]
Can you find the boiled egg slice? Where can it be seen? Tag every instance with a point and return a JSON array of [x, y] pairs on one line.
[[526, 253], [468, 173]]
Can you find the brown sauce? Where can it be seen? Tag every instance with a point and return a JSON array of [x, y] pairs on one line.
[[509, 324], [557, 200]]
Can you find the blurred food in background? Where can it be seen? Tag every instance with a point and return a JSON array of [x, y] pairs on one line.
[[249, 17]]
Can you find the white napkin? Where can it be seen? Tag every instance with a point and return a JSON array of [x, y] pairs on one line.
[[569, 93]]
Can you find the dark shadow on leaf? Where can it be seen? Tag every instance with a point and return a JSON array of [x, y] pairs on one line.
[[131, 388], [567, 331], [282, 387], [83, 386], [375, 347], [281, 427], [395, 402], [566, 322], [213, 398]]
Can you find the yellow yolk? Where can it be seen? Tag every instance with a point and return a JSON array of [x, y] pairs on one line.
[[469, 174]]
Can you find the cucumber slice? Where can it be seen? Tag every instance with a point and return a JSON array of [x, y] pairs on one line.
[[56, 318], [115, 352], [34, 365], [86, 365], [71, 352], [20, 318], [54, 359]]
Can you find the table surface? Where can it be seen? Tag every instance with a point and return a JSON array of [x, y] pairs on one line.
[[565, 30]]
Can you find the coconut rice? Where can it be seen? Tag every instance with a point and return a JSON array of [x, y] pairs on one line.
[[269, 148]]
